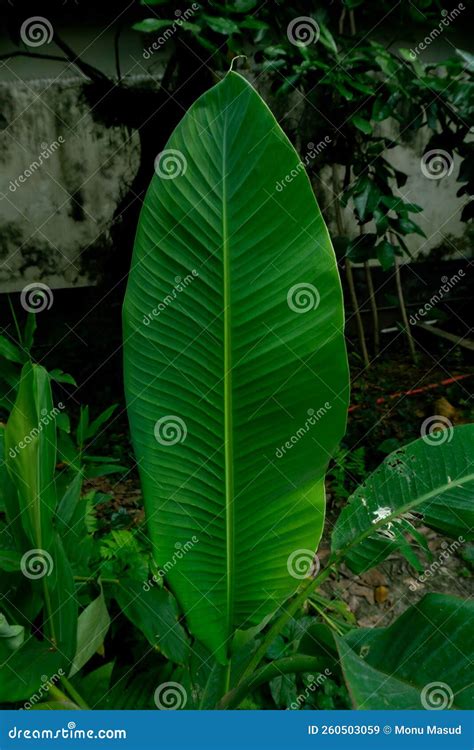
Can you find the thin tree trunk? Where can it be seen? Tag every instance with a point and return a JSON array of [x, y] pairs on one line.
[[403, 310], [349, 274], [373, 307]]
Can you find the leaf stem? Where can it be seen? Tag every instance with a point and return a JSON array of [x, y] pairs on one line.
[[74, 694], [288, 665], [286, 615]]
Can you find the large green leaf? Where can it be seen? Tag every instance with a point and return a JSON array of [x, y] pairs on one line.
[[433, 476], [423, 660], [235, 366]]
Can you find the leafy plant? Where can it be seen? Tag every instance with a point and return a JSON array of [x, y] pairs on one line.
[[215, 382]]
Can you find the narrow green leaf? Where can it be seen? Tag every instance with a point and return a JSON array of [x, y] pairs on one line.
[[154, 612], [92, 627]]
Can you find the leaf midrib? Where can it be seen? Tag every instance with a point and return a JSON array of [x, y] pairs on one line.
[[228, 425], [407, 507]]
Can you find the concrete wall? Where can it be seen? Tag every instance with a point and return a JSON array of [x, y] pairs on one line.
[[62, 174]]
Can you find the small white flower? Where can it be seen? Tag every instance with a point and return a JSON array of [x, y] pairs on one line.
[[381, 513]]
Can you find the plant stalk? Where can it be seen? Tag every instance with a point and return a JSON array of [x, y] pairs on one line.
[[289, 665], [348, 267], [403, 310]]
